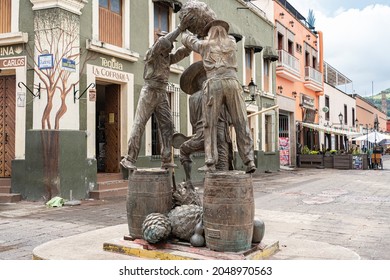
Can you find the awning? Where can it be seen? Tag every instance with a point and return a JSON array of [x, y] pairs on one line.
[[252, 43], [235, 32], [373, 137], [330, 130], [175, 4], [270, 54]]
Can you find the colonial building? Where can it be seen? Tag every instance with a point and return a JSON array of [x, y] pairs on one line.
[[299, 80], [71, 74], [369, 118], [337, 115]]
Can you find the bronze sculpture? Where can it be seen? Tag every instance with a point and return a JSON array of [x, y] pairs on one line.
[[153, 97], [226, 216], [222, 87], [191, 82]]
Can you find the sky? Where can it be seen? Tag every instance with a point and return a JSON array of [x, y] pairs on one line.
[[356, 40]]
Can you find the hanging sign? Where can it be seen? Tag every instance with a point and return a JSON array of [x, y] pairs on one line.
[[307, 101], [45, 61]]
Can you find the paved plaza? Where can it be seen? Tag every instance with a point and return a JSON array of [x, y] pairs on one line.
[[312, 213]]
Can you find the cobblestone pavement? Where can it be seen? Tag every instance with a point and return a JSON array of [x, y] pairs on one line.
[[349, 208]]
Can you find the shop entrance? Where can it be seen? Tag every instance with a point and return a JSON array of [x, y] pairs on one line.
[[108, 127], [7, 124]]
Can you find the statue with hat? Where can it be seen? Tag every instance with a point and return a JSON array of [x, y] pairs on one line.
[[153, 97], [191, 82], [222, 87]]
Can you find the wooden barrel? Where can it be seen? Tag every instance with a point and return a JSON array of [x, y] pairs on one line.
[[149, 192], [228, 211]]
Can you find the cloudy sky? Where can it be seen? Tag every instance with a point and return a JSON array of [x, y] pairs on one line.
[[356, 39]]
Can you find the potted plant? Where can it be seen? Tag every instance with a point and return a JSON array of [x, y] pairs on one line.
[[310, 159]]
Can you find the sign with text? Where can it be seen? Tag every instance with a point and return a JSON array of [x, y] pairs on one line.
[[11, 50], [68, 65], [12, 62], [45, 61], [110, 74], [309, 115], [357, 162], [307, 101]]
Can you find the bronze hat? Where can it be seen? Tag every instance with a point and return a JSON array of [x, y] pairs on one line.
[[217, 22], [189, 79]]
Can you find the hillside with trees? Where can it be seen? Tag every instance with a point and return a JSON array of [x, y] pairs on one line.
[[377, 100]]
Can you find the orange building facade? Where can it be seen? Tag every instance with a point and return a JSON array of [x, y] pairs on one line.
[[299, 80], [368, 114]]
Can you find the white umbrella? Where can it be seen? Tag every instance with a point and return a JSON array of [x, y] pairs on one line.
[[373, 137]]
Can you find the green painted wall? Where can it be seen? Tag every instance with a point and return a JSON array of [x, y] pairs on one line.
[[75, 172]]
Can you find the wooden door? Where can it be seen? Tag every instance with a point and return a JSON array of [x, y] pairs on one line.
[[112, 128], [7, 124]]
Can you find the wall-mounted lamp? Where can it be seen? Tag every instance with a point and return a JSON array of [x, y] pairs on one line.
[[308, 37], [294, 94], [291, 22], [341, 118], [252, 89], [281, 15], [280, 89]]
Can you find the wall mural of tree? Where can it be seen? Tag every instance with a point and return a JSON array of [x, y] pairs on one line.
[[57, 34]]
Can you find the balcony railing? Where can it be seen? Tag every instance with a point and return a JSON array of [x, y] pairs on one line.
[[289, 61], [313, 75]]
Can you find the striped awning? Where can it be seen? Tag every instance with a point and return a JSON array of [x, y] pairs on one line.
[[330, 130]]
